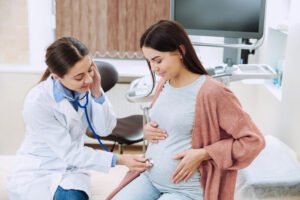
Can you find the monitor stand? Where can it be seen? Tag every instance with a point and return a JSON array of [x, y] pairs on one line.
[[232, 56]]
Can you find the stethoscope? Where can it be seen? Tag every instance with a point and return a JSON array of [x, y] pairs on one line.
[[84, 106], [86, 96]]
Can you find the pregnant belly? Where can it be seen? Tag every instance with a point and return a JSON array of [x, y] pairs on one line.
[[164, 167]]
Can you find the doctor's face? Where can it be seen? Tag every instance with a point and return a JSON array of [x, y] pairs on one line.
[[168, 65], [80, 76]]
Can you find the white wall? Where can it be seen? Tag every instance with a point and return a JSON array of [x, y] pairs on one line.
[[290, 106], [13, 87]]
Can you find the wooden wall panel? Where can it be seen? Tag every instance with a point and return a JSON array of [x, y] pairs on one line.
[[140, 20], [113, 25], [108, 25], [83, 25], [121, 26], [102, 25], [92, 24], [131, 40], [75, 14]]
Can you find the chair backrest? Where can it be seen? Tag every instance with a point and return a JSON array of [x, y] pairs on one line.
[[109, 75]]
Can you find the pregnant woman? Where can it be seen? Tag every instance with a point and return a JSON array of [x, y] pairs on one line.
[[199, 134]]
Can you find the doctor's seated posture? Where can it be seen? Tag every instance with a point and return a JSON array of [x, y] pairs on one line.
[[199, 135], [52, 162]]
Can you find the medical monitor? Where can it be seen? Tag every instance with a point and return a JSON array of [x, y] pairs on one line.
[[221, 18]]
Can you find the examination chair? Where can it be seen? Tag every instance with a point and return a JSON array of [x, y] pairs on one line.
[[129, 130]]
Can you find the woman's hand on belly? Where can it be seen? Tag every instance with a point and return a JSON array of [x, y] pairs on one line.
[[153, 134], [190, 161]]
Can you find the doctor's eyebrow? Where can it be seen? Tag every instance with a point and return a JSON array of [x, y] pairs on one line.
[[154, 58]]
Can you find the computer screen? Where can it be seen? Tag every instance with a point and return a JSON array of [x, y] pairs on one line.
[[221, 18]]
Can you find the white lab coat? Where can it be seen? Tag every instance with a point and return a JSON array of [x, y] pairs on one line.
[[52, 152]]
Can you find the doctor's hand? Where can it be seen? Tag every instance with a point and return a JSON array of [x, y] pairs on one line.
[[134, 162], [190, 161], [96, 84], [153, 134]]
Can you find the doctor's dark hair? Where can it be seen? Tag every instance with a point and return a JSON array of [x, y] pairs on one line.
[[62, 55], [168, 36]]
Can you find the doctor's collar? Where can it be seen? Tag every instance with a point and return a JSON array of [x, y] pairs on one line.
[[60, 92]]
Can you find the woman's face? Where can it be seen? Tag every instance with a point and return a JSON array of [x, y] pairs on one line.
[[168, 65], [80, 76]]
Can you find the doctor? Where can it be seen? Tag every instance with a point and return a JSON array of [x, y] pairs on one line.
[[52, 162]]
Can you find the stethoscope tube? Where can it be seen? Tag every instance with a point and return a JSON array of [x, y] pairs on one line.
[[85, 112], [88, 120]]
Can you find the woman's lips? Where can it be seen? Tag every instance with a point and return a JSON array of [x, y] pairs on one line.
[[161, 74], [84, 87]]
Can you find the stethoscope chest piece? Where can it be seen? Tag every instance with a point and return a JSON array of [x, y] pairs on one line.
[[150, 161]]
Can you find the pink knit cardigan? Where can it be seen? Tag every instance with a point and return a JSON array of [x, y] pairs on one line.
[[226, 132]]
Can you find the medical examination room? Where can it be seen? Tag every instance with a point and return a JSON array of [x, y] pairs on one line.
[[149, 100]]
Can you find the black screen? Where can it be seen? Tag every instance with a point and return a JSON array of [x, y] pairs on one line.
[[228, 18]]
